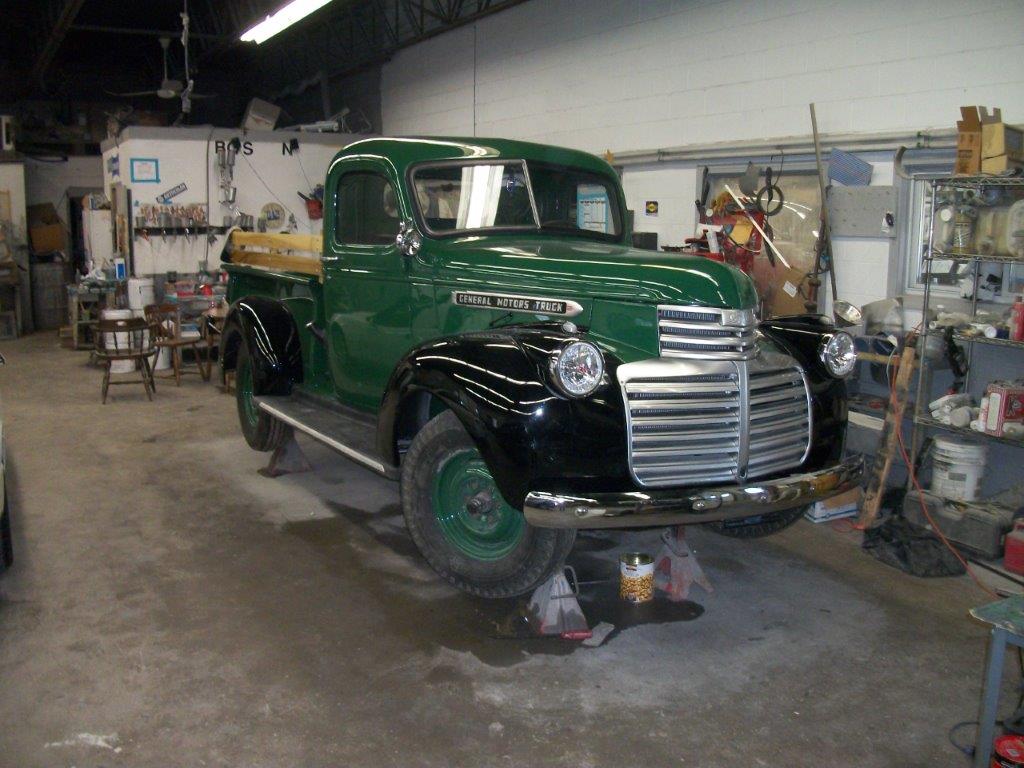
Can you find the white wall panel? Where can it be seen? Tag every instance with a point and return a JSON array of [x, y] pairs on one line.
[[643, 74]]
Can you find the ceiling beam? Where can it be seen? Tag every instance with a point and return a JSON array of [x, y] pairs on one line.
[[65, 18], [173, 34]]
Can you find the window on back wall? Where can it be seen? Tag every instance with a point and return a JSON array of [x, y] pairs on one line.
[[794, 231]]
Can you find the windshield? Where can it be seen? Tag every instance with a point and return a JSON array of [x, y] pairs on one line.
[[469, 197]]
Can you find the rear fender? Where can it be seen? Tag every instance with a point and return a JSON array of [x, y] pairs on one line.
[[271, 335]]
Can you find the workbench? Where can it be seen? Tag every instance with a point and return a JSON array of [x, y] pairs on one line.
[[85, 303]]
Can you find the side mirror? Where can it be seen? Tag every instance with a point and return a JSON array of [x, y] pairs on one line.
[[408, 239]]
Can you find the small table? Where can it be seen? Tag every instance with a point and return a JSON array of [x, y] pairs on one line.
[[86, 301], [1006, 617]]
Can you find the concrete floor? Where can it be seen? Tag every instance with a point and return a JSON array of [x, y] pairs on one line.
[[171, 607]]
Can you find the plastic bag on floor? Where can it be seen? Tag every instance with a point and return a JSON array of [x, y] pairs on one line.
[[554, 610], [911, 548]]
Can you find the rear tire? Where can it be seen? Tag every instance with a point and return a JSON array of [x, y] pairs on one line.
[[262, 431], [758, 527], [463, 527]]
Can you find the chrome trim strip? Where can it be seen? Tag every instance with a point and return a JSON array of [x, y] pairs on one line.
[[743, 457], [641, 508], [341, 448]]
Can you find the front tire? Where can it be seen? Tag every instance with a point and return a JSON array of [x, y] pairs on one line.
[[262, 431], [758, 527], [461, 524]]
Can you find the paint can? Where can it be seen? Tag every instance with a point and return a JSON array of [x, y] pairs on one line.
[[1008, 751], [636, 577], [957, 469]]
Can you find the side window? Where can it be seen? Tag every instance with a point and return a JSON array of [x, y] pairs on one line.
[[367, 210]]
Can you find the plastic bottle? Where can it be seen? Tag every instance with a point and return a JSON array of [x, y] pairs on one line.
[[1013, 555], [1017, 320]]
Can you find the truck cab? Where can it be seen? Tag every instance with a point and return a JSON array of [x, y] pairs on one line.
[[478, 328]]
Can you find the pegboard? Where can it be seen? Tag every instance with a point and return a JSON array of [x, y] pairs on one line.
[[861, 211]]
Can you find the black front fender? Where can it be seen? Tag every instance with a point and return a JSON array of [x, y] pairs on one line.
[[498, 385], [269, 332], [802, 337]]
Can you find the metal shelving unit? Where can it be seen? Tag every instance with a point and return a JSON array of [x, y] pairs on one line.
[[922, 418]]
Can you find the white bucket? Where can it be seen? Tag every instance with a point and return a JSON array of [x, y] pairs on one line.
[[118, 366], [141, 292], [957, 469], [162, 361]]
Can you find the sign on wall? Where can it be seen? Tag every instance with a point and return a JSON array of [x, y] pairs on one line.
[[145, 170], [651, 208]]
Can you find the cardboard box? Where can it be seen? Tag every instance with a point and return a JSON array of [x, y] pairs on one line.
[[968, 142], [45, 229], [844, 505], [1005, 404], [47, 238], [1000, 163], [998, 138]]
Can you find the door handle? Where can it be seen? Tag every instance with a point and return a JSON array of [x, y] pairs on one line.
[[330, 258]]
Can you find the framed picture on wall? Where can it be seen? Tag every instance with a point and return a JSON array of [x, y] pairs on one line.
[[145, 170]]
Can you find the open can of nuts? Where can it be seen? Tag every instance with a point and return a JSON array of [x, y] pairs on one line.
[[636, 577]]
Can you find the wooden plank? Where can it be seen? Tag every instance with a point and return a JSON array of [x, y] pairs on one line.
[[276, 260], [888, 442], [277, 241]]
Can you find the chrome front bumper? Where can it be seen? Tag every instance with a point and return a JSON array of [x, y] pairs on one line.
[[670, 507]]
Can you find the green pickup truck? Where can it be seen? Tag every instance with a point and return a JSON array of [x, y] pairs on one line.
[[480, 330]]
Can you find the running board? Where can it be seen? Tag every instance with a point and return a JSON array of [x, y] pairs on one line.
[[353, 438]]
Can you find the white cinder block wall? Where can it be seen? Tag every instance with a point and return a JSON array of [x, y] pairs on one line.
[[644, 74]]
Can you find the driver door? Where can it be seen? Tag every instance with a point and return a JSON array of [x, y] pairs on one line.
[[369, 286]]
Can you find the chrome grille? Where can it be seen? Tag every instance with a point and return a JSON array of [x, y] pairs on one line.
[[695, 423], [706, 332]]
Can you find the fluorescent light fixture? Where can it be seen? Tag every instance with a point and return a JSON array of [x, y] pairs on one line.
[[295, 11]]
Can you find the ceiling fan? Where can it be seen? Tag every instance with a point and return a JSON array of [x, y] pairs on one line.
[[171, 88]]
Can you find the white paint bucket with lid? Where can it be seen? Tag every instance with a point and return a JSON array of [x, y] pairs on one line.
[[141, 292], [121, 340], [957, 469]]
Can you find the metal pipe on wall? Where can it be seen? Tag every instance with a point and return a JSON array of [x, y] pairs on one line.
[[791, 145]]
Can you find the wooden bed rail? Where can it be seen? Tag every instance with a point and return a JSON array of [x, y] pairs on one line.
[[282, 252]]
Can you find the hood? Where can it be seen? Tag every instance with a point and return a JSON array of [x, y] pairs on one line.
[[576, 268]]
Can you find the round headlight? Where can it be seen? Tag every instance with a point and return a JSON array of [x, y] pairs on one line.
[[578, 368], [839, 354]]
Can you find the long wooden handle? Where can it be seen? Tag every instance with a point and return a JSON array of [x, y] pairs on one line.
[[887, 444]]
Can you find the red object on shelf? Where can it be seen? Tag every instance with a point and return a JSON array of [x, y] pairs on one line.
[[1017, 320], [314, 208], [1013, 554], [1008, 752]]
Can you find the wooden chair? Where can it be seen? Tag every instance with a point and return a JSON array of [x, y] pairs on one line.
[[128, 339], [165, 320]]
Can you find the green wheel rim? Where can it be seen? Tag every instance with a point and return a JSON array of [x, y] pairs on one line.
[[243, 381], [470, 510]]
